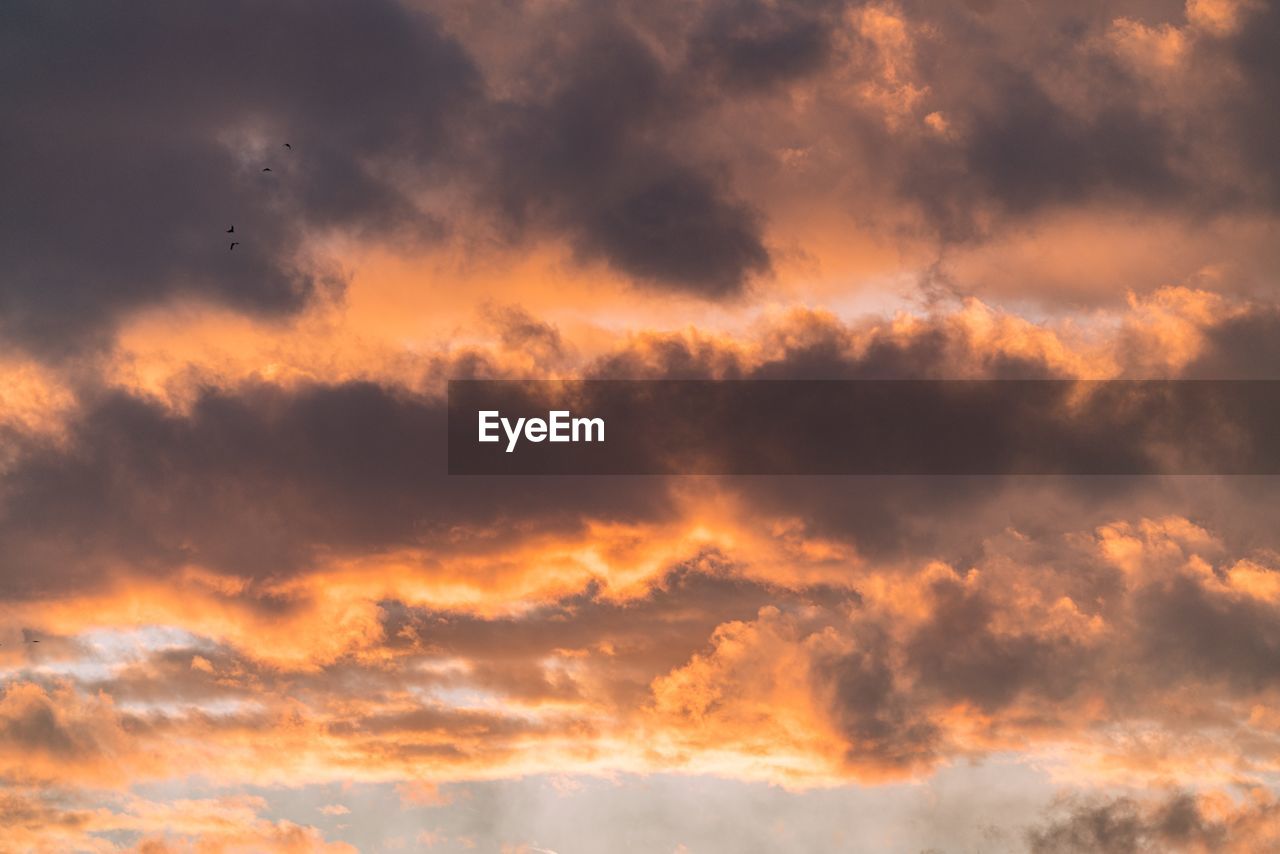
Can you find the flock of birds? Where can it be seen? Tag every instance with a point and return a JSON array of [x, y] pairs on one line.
[[232, 229]]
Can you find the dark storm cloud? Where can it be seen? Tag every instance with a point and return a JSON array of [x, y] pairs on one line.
[[958, 654], [1251, 112], [1029, 152], [258, 479], [749, 44], [608, 148], [881, 723], [592, 158], [1190, 631], [121, 162], [133, 136], [1245, 346], [137, 135], [1016, 147]]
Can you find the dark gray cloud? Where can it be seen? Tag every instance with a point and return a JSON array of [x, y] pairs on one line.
[[958, 654], [1028, 152], [1245, 346], [881, 723], [1125, 825], [1188, 631], [1108, 828], [594, 156], [257, 479], [1250, 112], [749, 44], [128, 149], [1016, 146], [136, 135], [1043, 114]]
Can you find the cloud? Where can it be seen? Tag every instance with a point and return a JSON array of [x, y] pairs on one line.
[[224, 509], [56, 733], [1135, 652], [259, 479], [351, 467], [587, 159], [41, 821], [409, 128], [125, 168], [117, 209], [751, 45], [1182, 821]]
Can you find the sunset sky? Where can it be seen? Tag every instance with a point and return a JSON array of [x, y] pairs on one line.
[[243, 608]]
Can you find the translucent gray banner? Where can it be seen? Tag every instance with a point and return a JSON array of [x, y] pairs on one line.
[[864, 427]]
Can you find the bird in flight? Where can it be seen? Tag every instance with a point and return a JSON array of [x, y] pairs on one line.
[[231, 230], [233, 245], [266, 168], [288, 146]]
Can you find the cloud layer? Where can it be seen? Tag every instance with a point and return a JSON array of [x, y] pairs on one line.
[[243, 606]]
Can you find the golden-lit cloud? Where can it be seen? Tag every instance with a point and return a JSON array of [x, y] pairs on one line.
[[243, 607]]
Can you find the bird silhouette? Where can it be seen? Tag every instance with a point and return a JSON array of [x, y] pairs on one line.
[[288, 146], [233, 245], [266, 169], [231, 230]]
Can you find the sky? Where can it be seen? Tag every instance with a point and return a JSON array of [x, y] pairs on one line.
[[244, 608]]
